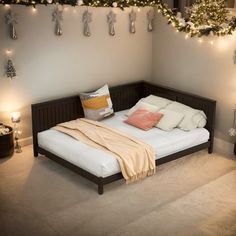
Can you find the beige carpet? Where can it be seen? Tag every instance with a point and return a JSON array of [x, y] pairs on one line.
[[195, 195]]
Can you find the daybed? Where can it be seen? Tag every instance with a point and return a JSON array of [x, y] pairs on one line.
[[99, 167]]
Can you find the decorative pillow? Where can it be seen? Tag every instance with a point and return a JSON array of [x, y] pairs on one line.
[[97, 105], [143, 105], [170, 120], [200, 119], [157, 101], [192, 118], [144, 119]]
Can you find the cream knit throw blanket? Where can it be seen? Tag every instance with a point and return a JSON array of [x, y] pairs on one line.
[[136, 158]]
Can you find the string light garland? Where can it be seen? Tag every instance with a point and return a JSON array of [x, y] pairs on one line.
[[192, 26], [93, 3]]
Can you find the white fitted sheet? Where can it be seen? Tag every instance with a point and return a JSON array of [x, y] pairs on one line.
[[102, 164]]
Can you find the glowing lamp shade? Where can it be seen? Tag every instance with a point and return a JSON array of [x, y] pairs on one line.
[[15, 117]]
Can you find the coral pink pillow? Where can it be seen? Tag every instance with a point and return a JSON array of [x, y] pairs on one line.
[[144, 119]]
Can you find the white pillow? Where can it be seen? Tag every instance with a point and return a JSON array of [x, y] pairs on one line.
[[143, 105], [157, 101], [200, 119], [192, 118], [170, 120]]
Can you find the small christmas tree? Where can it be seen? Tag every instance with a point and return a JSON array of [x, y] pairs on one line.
[[10, 69], [208, 13]]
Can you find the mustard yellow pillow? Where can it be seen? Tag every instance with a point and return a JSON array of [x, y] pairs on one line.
[[97, 105]]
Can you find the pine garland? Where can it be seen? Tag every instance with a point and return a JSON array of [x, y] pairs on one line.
[[223, 25], [94, 3], [206, 16]]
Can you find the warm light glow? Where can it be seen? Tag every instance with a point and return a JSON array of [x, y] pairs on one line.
[[139, 9], [187, 36], [8, 52], [212, 42], [34, 10], [224, 43], [7, 6], [15, 117], [200, 40]]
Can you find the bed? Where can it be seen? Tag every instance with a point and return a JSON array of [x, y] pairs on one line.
[[98, 166]]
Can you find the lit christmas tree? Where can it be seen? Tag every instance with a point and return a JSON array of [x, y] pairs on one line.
[[208, 13], [10, 69]]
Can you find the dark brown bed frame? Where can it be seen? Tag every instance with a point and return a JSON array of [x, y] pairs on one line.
[[47, 114]]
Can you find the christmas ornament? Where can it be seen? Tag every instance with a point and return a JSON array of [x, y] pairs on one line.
[[111, 19], [180, 19], [87, 18], [10, 69], [80, 2], [132, 19], [11, 21], [57, 17], [150, 18], [114, 4]]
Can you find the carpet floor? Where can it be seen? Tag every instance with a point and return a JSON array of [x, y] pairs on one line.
[[195, 195]]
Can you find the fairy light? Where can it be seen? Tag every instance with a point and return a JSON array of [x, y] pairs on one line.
[[186, 36], [200, 40], [212, 42], [34, 10], [7, 6], [8, 52]]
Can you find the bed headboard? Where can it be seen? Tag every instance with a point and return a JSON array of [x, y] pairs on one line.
[[47, 114]]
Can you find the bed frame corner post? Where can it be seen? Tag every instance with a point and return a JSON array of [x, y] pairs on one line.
[[212, 127], [35, 151], [210, 149], [100, 186]]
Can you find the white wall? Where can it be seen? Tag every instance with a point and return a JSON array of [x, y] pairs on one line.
[[199, 68], [49, 66]]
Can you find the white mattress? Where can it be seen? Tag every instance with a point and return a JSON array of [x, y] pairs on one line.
[[102, 164]]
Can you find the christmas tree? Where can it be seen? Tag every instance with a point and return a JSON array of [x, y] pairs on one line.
[[208, 13], [10, 70]]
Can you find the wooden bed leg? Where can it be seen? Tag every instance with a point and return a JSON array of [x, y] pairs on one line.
[[210, 149], [100, 187], [35, 152]]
